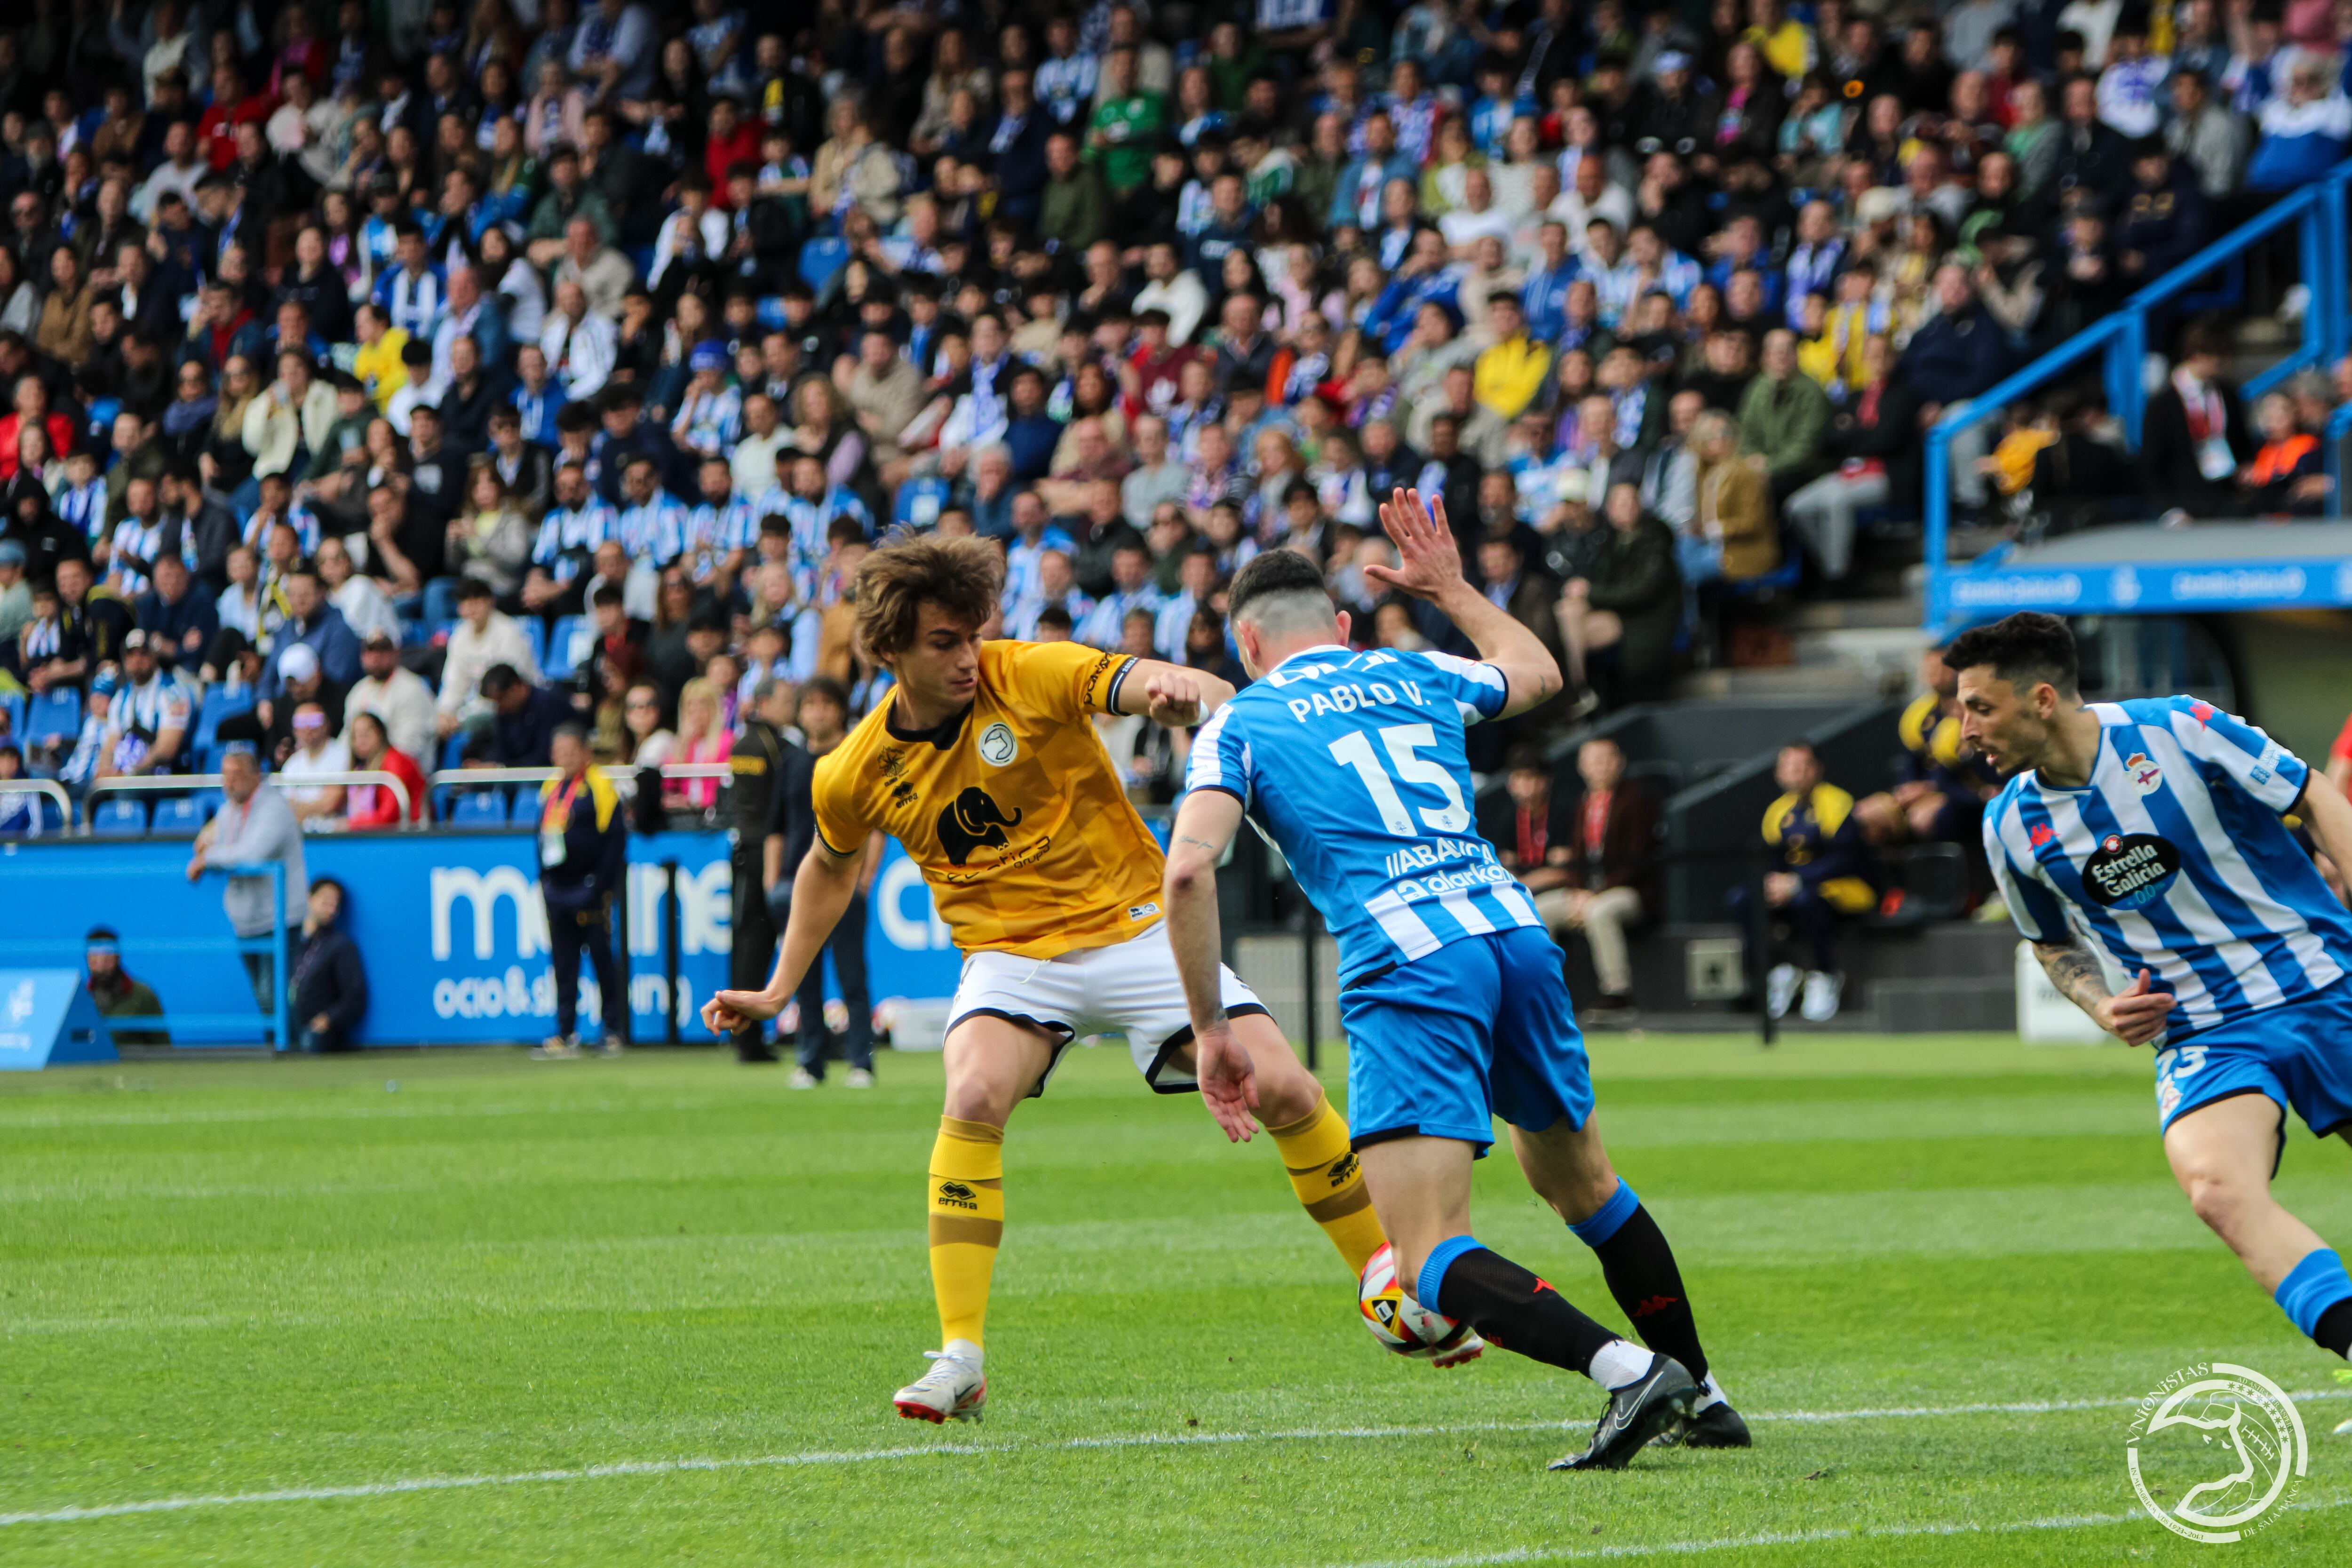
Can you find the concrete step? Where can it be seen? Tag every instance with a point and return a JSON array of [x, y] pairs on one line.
[[1893, 612], [1837, 682]]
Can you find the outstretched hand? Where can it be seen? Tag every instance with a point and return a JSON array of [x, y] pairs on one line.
[[1429, 562], [1228, 1081]]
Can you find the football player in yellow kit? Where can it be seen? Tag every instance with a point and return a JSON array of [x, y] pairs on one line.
[[984, 762]]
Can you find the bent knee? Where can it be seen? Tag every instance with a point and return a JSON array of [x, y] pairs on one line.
[[2221, 1201]]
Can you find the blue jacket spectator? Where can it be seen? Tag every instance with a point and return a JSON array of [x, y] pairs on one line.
[[314, 624], [327, 981], [2305, 132], [1961, 352], [179, 612]]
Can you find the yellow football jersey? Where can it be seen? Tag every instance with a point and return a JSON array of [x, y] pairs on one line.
[[1012, 808]]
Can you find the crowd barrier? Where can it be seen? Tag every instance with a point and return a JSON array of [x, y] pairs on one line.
[[450, 926]]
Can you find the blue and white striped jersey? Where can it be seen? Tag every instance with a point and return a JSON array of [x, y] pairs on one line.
[[1352, 763], [2174, 860]]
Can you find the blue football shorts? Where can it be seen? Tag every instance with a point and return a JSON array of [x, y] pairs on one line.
[[1480, 1029], [2298, 1054]]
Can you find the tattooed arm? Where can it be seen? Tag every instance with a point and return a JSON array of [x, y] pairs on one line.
[[2136, 1017], [1205, 824]]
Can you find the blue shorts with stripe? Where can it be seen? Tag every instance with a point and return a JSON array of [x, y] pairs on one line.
[[1482, 1027], [2298, 1054]]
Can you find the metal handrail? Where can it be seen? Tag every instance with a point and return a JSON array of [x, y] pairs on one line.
[[623, 776], [180, 783], [50, 787], [2320, 207]]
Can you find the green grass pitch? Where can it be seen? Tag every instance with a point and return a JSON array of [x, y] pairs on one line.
[[467, 1309]]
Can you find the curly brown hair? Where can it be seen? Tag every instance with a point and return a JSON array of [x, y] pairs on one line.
[[964, 577]]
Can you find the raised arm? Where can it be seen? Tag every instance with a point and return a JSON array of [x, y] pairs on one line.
[[1171, 694], [1205, 824], [1430, 568]]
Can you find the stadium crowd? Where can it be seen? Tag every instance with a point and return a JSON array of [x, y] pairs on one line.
[[389, 384]]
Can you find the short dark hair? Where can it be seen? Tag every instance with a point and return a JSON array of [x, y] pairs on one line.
[[826, 689], [2025, 651], [1273, 574], [498, 679]]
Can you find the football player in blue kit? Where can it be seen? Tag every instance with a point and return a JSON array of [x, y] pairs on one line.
[[2151, 833], [1450, 991]]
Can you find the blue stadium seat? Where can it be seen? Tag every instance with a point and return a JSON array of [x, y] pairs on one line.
[[525, 809], [534, 637], [821, 258], [453, 752], [921, 501], [52, 820], [57, 712], [118, 817], [208, 801], [219, 703], [479, 808], [181, 814], [558, 663]]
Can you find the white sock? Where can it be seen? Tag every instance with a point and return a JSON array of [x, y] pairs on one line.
[[1710, 1394], [962, 1350], [1618, 1362]]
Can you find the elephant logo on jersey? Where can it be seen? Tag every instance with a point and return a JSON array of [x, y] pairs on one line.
[[973, 822], [2129, 869], [2145, 776]]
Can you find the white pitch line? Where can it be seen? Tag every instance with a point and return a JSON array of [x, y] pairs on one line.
[[1014, 1449], [1791, 1538]]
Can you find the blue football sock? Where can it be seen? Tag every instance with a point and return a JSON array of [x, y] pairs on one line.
[[2312, 1288]]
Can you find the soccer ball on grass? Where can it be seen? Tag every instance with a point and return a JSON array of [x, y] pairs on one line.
[[1406, 1327]]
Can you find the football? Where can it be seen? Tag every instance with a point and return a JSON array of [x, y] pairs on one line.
[[1403, 1324]]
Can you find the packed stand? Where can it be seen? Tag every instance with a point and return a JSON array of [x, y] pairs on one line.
[[387, 385]]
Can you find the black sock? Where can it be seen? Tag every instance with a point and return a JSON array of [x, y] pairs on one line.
[[2334, 1330], [1518, 1311], [1640, 1269]]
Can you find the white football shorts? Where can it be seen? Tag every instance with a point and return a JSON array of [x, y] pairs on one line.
[[1131, 989]]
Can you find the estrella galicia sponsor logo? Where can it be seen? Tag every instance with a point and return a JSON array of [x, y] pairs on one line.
[[956, 1195], [2214, 1450], [973, 821], [2129, 869]]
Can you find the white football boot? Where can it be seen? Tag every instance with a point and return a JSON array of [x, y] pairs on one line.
[[1461, 1350], [1781, 988], [953, 1390], [1822, 990]]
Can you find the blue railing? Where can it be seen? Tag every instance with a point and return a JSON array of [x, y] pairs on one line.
[[2319, 208]]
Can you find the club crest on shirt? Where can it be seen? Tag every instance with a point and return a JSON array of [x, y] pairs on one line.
[[997, 745], [2145, 776]]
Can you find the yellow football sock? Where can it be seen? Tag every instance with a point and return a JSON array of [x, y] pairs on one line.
[[1329, 1181], [967, 1209]]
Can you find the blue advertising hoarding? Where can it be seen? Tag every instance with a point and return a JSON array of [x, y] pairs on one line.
[[2002, 580], [449, 925]]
